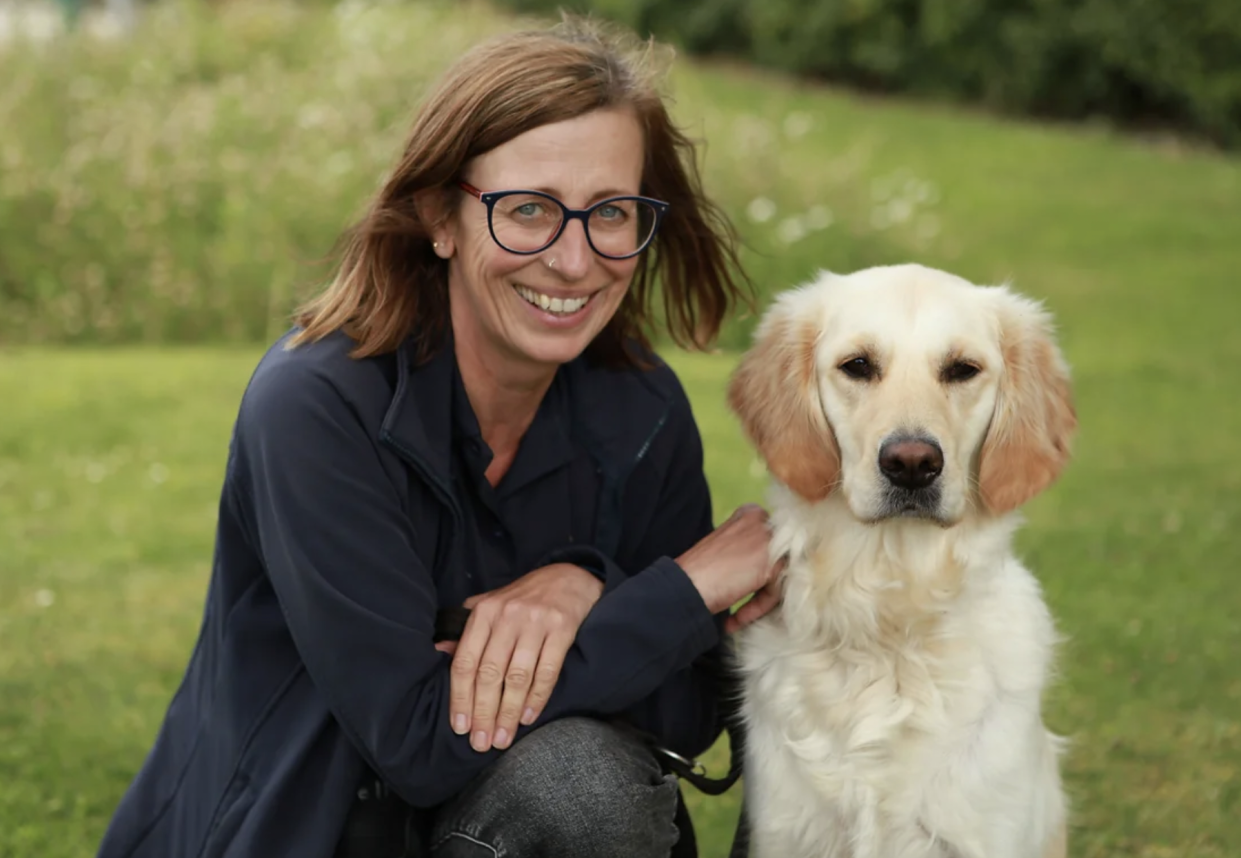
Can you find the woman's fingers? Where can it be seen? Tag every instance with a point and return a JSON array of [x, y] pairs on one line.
[[731, 562], [551, 661], [464, 669], [504, 669], [518, 680], [764, 600], [489, 682]]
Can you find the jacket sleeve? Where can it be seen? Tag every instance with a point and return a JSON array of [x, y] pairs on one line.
[[683, 712], [328, 520]]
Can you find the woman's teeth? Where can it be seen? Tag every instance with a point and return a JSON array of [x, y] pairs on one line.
[[558, 306]]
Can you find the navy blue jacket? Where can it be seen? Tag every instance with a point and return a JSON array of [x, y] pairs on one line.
[[340, 534]]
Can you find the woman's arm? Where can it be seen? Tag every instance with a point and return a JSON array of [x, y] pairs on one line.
[[683, 712]]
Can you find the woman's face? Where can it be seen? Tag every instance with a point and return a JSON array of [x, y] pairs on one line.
[[496, 297]]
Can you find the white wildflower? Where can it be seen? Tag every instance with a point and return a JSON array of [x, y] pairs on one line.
[[760, 210], [900, 210], [818, 217], [797, 124], [312, 116], [791, 230], [922, 192]]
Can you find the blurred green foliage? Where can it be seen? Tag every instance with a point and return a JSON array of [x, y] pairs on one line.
[[188, 182], [1169, 63], [183, 182]]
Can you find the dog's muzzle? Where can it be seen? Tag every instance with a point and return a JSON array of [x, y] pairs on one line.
[[911, 466]]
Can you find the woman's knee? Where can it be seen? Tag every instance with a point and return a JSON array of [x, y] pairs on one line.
[[583, 778], [575, 787], [603, 754]]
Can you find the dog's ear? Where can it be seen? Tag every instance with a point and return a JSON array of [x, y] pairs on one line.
[[774, 393], [1028, 442]]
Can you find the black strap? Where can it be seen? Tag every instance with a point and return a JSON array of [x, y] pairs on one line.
[[727, 681]]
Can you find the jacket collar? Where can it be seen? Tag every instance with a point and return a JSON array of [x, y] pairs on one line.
[[546, 447], [615, 413]]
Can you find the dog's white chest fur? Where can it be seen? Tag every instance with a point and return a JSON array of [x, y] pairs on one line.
[[893, 703]]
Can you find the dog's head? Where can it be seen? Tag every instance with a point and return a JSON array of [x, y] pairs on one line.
[[910, 391]]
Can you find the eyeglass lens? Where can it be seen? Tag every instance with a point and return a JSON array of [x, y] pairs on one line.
[[525, 223]]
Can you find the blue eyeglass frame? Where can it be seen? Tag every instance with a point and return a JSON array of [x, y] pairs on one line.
[[490, 198]]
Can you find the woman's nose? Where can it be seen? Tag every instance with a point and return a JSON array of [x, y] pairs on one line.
[[571, 251]]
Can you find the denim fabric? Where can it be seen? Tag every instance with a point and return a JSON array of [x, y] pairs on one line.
[[575, 788]]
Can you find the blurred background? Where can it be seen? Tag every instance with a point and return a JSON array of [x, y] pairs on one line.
[[174, 174]]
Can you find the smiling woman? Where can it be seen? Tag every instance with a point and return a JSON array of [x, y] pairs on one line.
[[471, 415], [554, 115]]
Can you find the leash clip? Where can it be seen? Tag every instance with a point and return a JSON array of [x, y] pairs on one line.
[[692, 766]]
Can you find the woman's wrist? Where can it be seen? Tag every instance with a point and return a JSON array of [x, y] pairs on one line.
[[591, 583], [706, 585]]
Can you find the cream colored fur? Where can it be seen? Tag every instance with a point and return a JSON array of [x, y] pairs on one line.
[[893, 700]]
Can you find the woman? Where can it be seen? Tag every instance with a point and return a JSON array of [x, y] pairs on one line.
[[471, 415]]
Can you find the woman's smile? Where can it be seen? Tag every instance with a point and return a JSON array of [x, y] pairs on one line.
[[553, 304]]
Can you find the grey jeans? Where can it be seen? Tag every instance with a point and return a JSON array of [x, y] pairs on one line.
[[574, 788]]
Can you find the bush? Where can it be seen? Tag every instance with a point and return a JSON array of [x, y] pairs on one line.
[[1138, 62]]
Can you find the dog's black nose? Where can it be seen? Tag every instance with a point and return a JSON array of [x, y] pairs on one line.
[[910, 463]]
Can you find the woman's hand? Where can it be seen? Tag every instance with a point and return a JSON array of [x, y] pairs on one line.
[[510, 655], [732, 562]]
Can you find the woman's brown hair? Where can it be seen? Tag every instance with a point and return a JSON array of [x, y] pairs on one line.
[[390, 284]]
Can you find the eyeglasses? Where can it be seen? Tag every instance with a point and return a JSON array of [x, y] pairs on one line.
[[528, 222]]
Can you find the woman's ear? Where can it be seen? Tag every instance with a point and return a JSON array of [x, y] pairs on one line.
[[435, 214], [775, 395], [1028, 442]]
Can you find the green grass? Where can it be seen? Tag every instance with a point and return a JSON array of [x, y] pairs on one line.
[[110, 461]]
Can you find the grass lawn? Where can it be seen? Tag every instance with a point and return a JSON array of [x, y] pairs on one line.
[[110, 461]]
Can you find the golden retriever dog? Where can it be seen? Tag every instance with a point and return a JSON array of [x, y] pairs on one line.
[[892, 700]]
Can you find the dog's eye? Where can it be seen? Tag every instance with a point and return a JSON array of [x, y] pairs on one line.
[[859, 368], [959, 371]]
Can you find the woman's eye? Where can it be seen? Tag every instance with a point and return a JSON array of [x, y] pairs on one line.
[[859, 368], [959, 371], [611, 213], [528, 210]]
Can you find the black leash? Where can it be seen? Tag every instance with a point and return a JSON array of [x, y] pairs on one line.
[[450, 625]]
